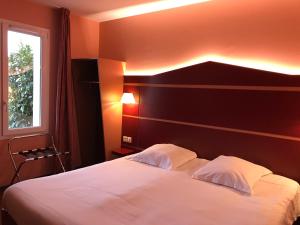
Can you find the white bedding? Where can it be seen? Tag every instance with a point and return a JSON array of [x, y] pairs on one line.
[[124, 192]]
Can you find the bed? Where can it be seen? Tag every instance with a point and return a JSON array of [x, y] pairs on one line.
[[235, 111], [126, 192]]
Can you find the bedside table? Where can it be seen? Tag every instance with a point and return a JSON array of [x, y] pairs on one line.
[[121, 152]]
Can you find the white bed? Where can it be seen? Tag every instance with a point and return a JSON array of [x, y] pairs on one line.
[[124, 192]]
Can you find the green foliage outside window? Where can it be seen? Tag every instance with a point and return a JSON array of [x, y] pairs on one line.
[[20, 83]]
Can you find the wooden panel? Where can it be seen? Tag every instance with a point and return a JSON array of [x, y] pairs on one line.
[[88, 110], [242, 113], [250, 110], [277, 154]]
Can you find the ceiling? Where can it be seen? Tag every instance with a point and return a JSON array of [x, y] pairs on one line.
[[104, 10]]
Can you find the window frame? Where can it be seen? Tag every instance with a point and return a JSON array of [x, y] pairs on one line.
[[44, 34]]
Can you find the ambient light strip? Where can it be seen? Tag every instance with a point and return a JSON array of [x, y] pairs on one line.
[[258, 64], [145, 8], [221, 87], [257, 133]]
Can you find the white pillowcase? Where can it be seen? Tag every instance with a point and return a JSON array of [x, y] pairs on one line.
[[165, 156], [232, 172], [298, 202]]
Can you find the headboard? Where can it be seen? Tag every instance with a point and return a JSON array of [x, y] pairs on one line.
[[215, 109]]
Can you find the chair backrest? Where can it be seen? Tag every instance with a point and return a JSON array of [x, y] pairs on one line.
[[28, 142]]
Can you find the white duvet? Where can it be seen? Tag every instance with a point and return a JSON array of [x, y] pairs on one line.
[[124, 192]]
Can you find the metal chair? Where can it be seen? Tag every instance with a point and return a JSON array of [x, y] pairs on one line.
[[32, 154]]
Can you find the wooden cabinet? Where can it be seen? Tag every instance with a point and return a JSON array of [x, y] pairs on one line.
[[88, 110]]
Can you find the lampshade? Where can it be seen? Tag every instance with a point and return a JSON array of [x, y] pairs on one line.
[[128, 98]]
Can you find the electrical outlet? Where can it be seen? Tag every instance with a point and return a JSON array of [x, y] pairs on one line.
[[129, 139]]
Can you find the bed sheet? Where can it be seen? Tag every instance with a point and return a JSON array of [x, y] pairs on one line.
[[124, 192]]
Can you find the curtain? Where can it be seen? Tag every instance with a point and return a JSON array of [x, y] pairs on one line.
[[66, 132]]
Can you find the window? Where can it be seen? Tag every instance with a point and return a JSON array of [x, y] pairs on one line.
[[25, 91]]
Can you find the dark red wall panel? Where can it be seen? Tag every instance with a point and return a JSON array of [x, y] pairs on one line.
[[266, 122], [240, 109], [281, 156]]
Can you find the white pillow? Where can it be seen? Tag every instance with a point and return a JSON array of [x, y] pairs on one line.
[[232, 172], [165, 156], [298, 202]]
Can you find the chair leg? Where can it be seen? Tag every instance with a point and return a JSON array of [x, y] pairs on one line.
[[61, 164], [17, 173], [13, 162], [58, 156], [6, 218]]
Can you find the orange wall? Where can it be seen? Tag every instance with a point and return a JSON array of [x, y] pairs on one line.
[[111, 87], [253, 29], [84, 37], [45, 17], [84, 44]]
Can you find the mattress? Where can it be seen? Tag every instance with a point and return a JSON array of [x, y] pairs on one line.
[[124, 192]]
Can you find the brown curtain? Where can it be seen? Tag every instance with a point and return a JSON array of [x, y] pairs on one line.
[[66, 132]]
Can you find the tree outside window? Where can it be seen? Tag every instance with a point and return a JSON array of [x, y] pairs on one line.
[[20, 93]]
